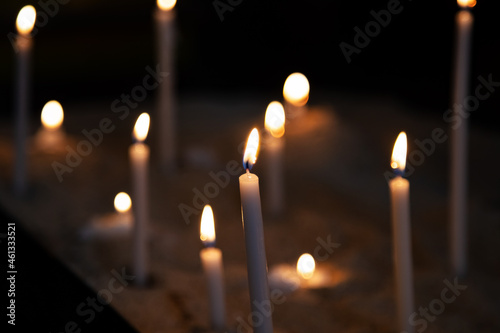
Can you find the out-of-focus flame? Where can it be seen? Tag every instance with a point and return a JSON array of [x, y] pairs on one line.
[[466, 3], [26, 20], [52, 115], [141, 127], [166, 4], [306, 266], [122, 202], [398, 160], [207, 226], [275, 119], [251, 150], [296, 89]]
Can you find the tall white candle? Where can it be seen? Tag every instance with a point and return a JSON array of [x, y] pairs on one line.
[[400, 212], [275, 144], [254, 238], [211, 259], [50, 137], [459, 142], [24, 44], [296, 95], [139, 160], [166, 108]]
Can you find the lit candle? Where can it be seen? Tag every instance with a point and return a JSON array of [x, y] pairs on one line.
[[24, 43], [112, 224], [211, 259], [306, 266], [139, 159], [296, 94], [275, 126], [166, 108], [50, 137], [459, 140], [400, 212], [254, 237]]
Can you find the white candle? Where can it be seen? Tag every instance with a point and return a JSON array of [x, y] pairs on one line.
[[400, 212], [50, 137], [211, 259], [254, 238], [296, 95], [275, 126], [166, 108], [24, 43], [139, 160], [459, 142]]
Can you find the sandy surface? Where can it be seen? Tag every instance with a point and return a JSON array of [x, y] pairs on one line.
[[336, 156]]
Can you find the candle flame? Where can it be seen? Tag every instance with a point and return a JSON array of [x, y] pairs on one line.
[[398, 160], [251, 150], [306, 266], [296, 89], [275, 119], [466, 3], [122, 202], [52, 115], [207, 226], [141, 127], [166, 4], [26, 20]]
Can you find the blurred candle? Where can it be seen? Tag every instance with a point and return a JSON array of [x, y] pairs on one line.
[[296, 95], [50, 136], [139, 160], [400, 212], [211, 259], [254, 238], [275, 126], [459, 140], [122, 205], [306, 266], [24, 44], [166, 107]]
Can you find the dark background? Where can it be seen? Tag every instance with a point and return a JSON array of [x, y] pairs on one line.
[[96, 50]]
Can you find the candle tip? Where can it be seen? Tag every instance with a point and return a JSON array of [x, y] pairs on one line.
[[251, 150]]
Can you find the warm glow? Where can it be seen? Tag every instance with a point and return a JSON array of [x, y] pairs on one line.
[[466, 3], [251, 150], [52, 115], [166, 4], [141, 127], [207, 226], [122, 202], [275, 119], [398, 160], [306, 266], [296, 89], [26, 20]]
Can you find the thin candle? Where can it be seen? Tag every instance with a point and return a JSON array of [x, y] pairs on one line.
[[400, 212], [275, 126], [166, 107], [50, 136], [139, 159], [296, 94], [211, 259], [459, 140], [254, 237], [24, 23]]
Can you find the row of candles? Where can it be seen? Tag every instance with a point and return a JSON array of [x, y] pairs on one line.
[[295, 101]]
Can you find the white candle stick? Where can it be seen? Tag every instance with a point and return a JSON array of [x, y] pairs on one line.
[[400, 212], [211, 259], [275, 143], [139, 159], [459, 142], [50, 136], [296, 95], [254, 238], [166, 108], [24, 43]]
